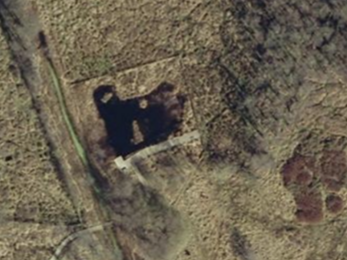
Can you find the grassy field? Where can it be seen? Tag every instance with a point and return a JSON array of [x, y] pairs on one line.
[[33, 200], [265, 86], [108, 37]]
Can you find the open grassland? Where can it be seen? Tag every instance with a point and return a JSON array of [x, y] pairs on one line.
[[30, 188], [265, 87], [34, 205], [96, 38]]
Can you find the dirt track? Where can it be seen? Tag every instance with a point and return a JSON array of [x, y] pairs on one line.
[[265, 88]]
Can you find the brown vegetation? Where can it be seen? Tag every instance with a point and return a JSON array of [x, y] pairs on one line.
[[334, 168], [309, 206], [334, 203]]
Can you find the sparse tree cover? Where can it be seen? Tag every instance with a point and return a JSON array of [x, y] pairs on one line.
[[263, 83]]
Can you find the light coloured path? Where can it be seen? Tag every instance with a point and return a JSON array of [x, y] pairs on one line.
[[68, 240], [129, 163]]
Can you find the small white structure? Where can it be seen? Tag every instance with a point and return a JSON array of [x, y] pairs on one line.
[[128, 164]]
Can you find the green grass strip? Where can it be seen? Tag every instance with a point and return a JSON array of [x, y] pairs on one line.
[[77, 143], [68, 122]]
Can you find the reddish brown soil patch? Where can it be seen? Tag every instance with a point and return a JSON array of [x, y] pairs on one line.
[[298, 174], [334, 169], [299, 170], [302, 176], [309, 206], [334, 203]]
